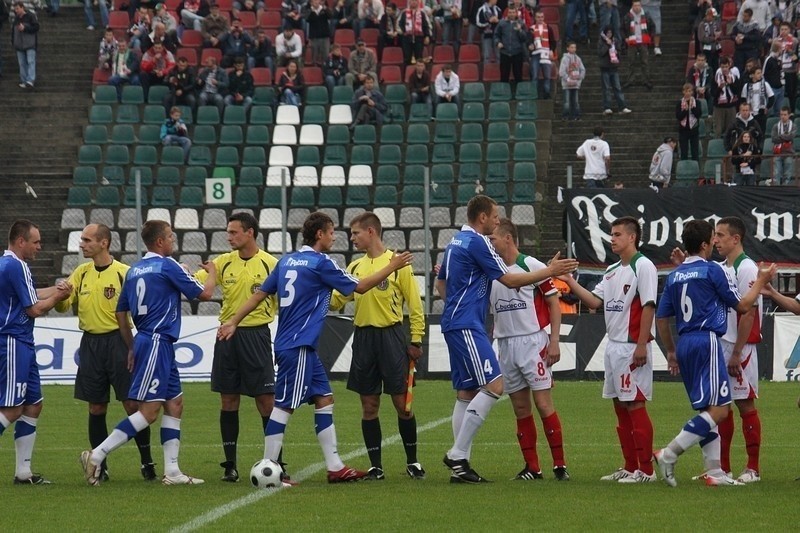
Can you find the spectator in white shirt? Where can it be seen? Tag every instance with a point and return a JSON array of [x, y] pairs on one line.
[[288, 46], [446, 85], [597, 154]]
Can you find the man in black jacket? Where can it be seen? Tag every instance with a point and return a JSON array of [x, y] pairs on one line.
[[24, 37], [181, 87]]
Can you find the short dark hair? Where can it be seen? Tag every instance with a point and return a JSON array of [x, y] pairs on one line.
[[103, 233], [695, 233], [748, 11], [631, 225], [735, 226], [316, 221], [247, 221], [368, 219], [152, 230], [479, 204], [598, 131], [21, 227], [506, 227]]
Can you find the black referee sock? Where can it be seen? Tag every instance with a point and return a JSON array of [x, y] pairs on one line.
[[143, 443], [229, 429], [408, 433], [98, 432], [372, 440]]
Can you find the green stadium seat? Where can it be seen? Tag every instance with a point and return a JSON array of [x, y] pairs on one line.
[[386, 195], [123, 134], [263, 96], [342, 94], [447, 112], [443, 153], [338, 134], [129, 198], [500, 91], [392, 133], [90, 154], [227, 156], [208, 115], [170, 176], [101, 114], [445, 132], [172, 155], [335, 155], [262, 115], [271, 197], [235, 114], [395, 113], [498, 132], [524, 151], [230, 134], [386, 175], [145, 155], [497, 192], [418, 134], [526, 110], [113, 175], [415, 174], [156, 94], [330, 197], [128, 114], [499, 111], [107, 197], [258, 135], [105, 94], [187, 115], [469, 173], [317, 96], [497, 171], [84, 176], [246, 197], [224, 172], [420, 113], [204, 134], [252, 176], [79, 197], [416, 154], [315, 114], [687, 172], [95, 134], [358, 195], [254, 156], [523, 193], [307, 156], [497, 152], [413, 195], [145, 176], [526, 90], [191, 197], [474, 92], [441, 195], [361, 155], [465, 192], [472, 132], [710, 168], [704, 110], [389, 154], [470, 153], [302, 197], [133, 94], [195, 176], [472, 112], [163, 196], [716, 149], [154, 114], [442, 174], [396, 94], [365, 134], [525, 131], [117, 155], [149, 134], [524, 172]]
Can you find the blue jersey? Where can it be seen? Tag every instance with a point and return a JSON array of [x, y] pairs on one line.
[[16, 294], [469, 267], [698, 294], [152, 293], [303, 282]]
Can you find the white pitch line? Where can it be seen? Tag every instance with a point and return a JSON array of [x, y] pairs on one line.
[[223, 510]]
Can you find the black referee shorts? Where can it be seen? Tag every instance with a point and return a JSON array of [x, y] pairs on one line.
[[244, 364], [103, 363], [379, 357]]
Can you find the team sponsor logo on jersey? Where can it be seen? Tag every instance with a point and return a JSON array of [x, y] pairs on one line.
[[615, 306], [149, 269], [456, 242], [383, 285], [684, 276], [514, 304], [109, 292], [611, 275], [296, 262]]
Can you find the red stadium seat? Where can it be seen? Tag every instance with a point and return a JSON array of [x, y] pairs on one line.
[[313, 76], [248, 19], [270, 19], [189, 53], [390, 74], [216, 53], [271, 35], [273, 5], [392, 55], [225, 5], [278, 72], [119, 20], [192, 39], [468, 72], [727, 48], [729, 11], [409, 71], [491, 72], [435, 71], [172, 5], [370, 36], [308, 56], [346, 53], [444, 54], [469, 53], [262, 77], [552, 15], [100, 76], [345, 37], [692, 51]]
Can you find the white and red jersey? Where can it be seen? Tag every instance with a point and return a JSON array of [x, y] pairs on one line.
[[625, 291], [744, 272], [521, 311]]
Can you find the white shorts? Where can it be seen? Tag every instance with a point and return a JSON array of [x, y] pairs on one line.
[[522, 361], [624, 381], [746, 386]]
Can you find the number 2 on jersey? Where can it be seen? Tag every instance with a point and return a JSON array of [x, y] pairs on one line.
[[141, 309], [288, 298]]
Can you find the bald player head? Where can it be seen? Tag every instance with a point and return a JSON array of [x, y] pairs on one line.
[[95, 244]]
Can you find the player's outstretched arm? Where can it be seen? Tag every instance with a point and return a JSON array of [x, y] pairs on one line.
[[211, 281], [397, 262], [765, 275], [556, 267], [790, 304], [48, 299], [664, 331], [588, 299], [227, 329]]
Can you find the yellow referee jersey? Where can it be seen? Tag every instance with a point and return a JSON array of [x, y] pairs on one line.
[[238, 279], [97, 293], [383, 305]]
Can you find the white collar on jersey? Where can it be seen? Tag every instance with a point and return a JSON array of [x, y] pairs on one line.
[[306, 248], [9, 252], [150, 255], [693, 259]]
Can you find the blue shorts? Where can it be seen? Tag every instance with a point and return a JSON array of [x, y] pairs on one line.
[[155, 371], [300, 377], [19, 374], [473, 362], [702, 365]]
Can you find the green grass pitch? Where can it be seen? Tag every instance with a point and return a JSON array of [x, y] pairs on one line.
[[127, 503]]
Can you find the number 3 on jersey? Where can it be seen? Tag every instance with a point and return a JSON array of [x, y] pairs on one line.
[[288, 297]]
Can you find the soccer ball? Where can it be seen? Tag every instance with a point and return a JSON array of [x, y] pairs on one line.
[[266, 474]]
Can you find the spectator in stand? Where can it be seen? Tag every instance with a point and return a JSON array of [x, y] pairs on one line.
[[182, 82], [511, 39], [688, 113], [759, 95], [661, 164], [773, 76], [159, 34], [524, 15], [597, 154], [486, 20], [174, 131], [783, 133], [124, 68], [213, 84], [419, 86], [577, 9], [235, 43], [469, 14], [156, 66], [608, 50], [343, 15], [609, 16], [725, 91], [638, 36], [447, 86], [451, 23], [335, 69], [318, 18], [247, 6], [262, 53], [162, 16], [709, 35], [745, 158], [788, 59], [700, 77], [87, 8], [361, 65], [288, 46], [368, 15], [140, 27], [388, 29], [214, 27], [760, 10], [571, 73], [108, 47], [653, 10], [746, 39], [787, 9], [749, 67], [772, 33], [291, 11], [369, 105], [25, 39], [193, 13], [240, 86], [745, 121], [291, 85], [543, 46], [415, 27]]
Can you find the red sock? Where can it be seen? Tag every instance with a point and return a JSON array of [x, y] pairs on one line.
[[725, 437], [552, 430], [643, 438], [526, 434], [625, 432], [751, 427]]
